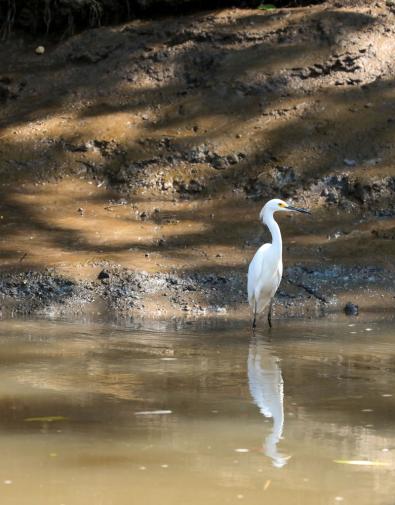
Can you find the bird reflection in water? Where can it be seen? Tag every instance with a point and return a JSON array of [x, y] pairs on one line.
[[267, 390]]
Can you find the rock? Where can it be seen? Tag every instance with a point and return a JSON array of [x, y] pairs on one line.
[[103, 275], [332, 197], [325, 192], [351, 309], [349, 163], [233, 159], [220, 163], [40, 50], [166, 185], [196, 155], [360, 192]]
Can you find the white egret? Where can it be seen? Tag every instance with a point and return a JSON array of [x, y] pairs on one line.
[[266, 268]]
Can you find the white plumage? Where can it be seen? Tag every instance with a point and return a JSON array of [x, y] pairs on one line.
[[266, 268]]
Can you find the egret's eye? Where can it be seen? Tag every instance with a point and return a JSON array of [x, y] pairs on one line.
[[281, 204]]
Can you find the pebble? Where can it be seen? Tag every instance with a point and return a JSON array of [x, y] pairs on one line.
[[40, 50]]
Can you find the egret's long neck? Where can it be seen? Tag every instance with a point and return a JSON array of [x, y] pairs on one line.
[[277, 242]]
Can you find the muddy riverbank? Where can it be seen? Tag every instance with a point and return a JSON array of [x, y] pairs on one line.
[[134, 160]]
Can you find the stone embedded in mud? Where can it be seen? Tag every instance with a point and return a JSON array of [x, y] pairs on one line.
[[351, 309]]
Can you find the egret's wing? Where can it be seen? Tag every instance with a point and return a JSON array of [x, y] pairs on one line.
[[255, 269], [279, 274]]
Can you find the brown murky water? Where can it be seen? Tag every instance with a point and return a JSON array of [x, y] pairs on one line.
[[197, 413]]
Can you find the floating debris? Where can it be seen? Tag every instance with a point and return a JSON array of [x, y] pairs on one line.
[[360, 462], [45, 419], [267, 484], [153, 412], [242, 450]]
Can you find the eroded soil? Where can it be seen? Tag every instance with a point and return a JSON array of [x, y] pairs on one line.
[[135, 159]]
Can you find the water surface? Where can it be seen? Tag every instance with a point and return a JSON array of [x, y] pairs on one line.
[[197, 414]]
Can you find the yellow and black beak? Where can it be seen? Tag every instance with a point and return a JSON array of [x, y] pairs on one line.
[[296, 209]]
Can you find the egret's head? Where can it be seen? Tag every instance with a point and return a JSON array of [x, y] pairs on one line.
[[277, 205]]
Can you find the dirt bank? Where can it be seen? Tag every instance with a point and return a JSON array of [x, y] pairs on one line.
[[134, 161]]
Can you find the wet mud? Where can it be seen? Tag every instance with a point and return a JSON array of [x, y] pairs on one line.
[[134, 160]]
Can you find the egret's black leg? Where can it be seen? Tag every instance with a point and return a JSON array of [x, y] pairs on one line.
[[254, 321], [269, 315]]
